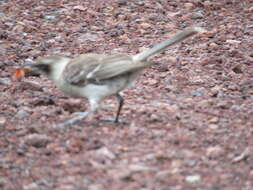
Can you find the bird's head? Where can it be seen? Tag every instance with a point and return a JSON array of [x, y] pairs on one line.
[[50, 66]]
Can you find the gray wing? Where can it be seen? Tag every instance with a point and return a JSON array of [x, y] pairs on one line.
[[94, 68]]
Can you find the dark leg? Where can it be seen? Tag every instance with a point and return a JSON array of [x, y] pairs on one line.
[[121, 102]]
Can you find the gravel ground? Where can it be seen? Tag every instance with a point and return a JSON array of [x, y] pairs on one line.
[[189, 117]]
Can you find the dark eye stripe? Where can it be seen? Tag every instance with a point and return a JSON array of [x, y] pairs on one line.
[[43, 67]]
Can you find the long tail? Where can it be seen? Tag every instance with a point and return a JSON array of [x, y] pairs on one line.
[[166, 43]]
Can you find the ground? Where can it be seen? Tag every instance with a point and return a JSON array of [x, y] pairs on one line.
[[190, 116]]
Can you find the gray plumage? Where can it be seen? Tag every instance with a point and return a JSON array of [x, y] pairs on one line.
[[96, 76]]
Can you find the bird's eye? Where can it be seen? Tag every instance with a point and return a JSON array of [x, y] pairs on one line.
[[43, 67]]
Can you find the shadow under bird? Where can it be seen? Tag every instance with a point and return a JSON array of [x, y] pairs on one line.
[[97, 76]]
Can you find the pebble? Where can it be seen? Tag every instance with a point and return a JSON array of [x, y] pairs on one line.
[[37, 140], [122, 2], [213, 120], [233, 41], [164, 174], [223, 104], [2, 120], [251, 173], [80, 8], [188, 5], [213, 126], [198, 92], [145, 26], [250, 9], [5, 81], [150, 82], [213, 45], [105, 152], [214, 151], [95, 187], [21, 114], [238, 69], [3, 182], [50, 17], [31, 186], [193, 178], [89, 37], [197, 15], [154, 117]]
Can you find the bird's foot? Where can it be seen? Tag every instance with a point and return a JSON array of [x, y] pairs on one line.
[[80, 116], [116, 121]]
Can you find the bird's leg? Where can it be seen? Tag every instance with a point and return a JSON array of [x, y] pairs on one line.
[[80, 115], [121, 103]]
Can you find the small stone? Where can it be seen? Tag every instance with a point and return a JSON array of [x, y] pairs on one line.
[[223, 105], [215, 91], [31, 186], [140, 3], [140, 168], [37, 140], [237, 69], [122, 2], [207, 4], [251, 173], [105, 152], [197, 15], [193, 178], [233, 87], [163, 68], [89, 37], [250, 9], [233, 41], [213, 126], [150, 82], [198, 92], [214, 152], [5, 81], [244, 155], [3, 182], [50, 17], [80, 8], [95, 187], [248, 26], [144, 26], [158, 133], [154, 117], [2, 121], [213, 45], [21, 114], [32, 85], [188, 5], [164, 174], [42, 101], [213, 120]]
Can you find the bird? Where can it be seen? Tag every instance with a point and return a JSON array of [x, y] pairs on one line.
[[97, 76]]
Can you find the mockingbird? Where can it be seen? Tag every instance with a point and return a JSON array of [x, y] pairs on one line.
[[97, 76]]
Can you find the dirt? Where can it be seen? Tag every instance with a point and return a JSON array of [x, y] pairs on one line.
[[189, 117]]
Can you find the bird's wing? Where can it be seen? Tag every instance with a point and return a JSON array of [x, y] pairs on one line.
[[78, 68], [94, 68]]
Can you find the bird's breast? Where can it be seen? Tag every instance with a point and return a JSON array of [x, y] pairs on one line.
[[97, 90]]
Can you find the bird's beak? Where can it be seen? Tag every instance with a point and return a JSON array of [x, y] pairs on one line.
[[31, 69], [25, 71]]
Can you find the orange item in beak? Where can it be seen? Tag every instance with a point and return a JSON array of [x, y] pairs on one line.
[[19, 73]]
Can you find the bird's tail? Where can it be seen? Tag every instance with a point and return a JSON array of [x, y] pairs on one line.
[[166, 43]]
